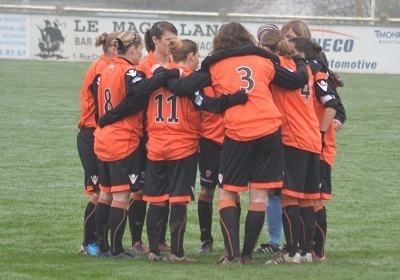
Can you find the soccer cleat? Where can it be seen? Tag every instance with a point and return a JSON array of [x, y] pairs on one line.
[[164, 247], [307, 258], [284, 258], [91, 249], [175, 259], [268, 248], [317, 258], [139, 248], [154, 258], [246, 260], [224, 260], [102, 255], [126, 255], [205, 247]]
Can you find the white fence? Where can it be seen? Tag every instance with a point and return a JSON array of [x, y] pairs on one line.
[[61, 33]]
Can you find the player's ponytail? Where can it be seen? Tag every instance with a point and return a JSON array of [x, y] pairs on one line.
[[105, 40], [157, 30], [180, 49]]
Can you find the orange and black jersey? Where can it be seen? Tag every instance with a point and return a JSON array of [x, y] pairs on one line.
[[340, 110], [173, 124], [324, 98], [300, 125], [247, 68], [119, 80], [137, 96], [259, 116], [212, 125], [89, 112]]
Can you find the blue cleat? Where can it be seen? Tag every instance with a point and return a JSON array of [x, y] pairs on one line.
[[91, 249]]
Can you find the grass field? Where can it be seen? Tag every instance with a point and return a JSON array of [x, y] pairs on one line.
[[42, 200]]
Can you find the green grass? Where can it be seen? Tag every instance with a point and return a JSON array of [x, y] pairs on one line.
[[42, 200]]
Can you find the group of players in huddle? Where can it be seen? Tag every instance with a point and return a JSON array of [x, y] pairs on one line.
[[259, 116]]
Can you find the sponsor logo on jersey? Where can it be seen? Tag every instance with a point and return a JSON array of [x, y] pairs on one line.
[[94, 179], [133, 178], [220, 178]]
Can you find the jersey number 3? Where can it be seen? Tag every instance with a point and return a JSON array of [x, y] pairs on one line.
[[246, 76]]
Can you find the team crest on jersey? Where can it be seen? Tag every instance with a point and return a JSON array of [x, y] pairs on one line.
[[133, 178], [131, 73], [143, 174], [208, 174], [220, 178], [94, 179], [323, 84]]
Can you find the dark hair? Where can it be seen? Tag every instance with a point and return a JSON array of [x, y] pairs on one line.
[[273, 39], [125, 40], [105, 39], [232, 35], [157, 30], [181, 48], [310, 49]]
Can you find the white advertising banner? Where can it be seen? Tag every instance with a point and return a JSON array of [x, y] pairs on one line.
[[14, 36], [355, 49]]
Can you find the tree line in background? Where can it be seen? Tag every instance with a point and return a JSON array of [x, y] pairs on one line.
[[359, 8]]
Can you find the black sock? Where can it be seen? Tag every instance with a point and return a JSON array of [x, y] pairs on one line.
[[89, 224], [239, 209], [291, 226], [163, 232], [154, 224], [204, 211], [117, 229], [102, 215], [229, 221], [177, 227], [320, 232], [308, 223], [253, 227], [136, 216]]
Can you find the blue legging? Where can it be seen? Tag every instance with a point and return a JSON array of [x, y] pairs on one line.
[[274, 220]]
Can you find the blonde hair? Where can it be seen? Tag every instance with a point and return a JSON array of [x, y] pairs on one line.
[[299, 28], [273, 39], [125, 40], [105, 40], [181, 48]]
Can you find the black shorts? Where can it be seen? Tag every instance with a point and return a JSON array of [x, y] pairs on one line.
[[143, 160], [85, 143], [120, 175], [301, 178], [326, 184], [258, 162], [170, 180], [209, 163]]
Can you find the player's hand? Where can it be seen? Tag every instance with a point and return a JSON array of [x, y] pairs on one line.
[[104, 120], [155, 66], [239, 97], [337, 125], [323, 139]]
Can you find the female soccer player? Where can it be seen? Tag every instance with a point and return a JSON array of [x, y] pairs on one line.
[[252, 155], [85, 138], [296, 28], [301, 136], [116, 145]]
